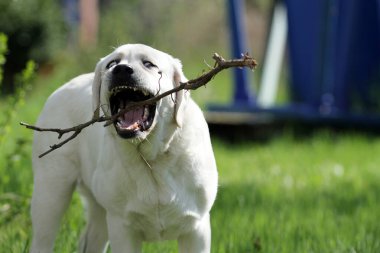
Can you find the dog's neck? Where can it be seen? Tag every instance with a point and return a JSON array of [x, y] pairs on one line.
[[157, 142]]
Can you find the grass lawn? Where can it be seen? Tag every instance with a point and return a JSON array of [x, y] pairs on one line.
[[315, 194]]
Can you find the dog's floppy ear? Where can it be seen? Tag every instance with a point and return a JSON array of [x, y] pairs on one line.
[[181, 96], [96, 85]]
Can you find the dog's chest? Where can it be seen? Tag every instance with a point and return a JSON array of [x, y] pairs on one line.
[[160, 221], [159, 203]]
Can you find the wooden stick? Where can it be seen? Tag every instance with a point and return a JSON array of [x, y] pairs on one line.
[[220, 64]]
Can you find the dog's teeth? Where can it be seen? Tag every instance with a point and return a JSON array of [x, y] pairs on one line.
[[118, 89], [146, 113]]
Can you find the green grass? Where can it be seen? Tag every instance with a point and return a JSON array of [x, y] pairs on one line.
[[315, 194]]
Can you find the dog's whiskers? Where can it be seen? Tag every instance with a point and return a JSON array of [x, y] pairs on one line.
[[141, 141], [159, 83], [148, 141], [105, 108], [143, 158]]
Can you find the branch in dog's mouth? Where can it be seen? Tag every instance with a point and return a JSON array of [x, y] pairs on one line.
[[137, 119], [123, 114]]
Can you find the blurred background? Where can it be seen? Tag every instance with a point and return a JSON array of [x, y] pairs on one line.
[[48, 32], [290, 179]]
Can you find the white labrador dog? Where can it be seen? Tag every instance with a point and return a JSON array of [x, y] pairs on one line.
[[149, 176]]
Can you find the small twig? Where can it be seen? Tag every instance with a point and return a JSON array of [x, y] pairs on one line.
[[76, 130], [220, 64]]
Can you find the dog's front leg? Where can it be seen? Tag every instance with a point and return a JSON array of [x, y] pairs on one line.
[[123, 239], [198, 240], [51, 197]]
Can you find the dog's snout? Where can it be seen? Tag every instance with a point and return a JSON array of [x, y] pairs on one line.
[[122, 74], [122, 70]]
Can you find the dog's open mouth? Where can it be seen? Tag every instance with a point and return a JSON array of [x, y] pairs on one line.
[[139, 119]]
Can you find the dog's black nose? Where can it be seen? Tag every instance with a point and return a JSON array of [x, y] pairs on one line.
[[122, 70], [122, 75]]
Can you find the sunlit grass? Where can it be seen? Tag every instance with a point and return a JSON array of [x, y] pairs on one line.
[[290, 194], [312, 195]]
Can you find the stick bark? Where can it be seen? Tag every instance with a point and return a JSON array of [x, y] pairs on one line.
[[220, 64]]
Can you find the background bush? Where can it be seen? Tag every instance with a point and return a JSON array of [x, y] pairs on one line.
[[35, 30], [3, 50]]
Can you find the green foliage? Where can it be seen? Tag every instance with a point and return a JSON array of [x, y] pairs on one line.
[[14, 102], [35, 31], [15, 153], [3, 50], [36, 25], [166, 25]]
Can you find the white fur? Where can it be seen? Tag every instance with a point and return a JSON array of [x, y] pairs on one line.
[[158, 186]]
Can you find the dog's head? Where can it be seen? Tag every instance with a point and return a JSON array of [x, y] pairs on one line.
[[132, 73]]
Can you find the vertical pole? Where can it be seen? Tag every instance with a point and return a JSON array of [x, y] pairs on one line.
[[71, 15], [274, 56], [242, 93], [89, 19], [329, 64]]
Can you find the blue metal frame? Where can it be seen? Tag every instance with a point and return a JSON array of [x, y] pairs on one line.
[[335, 54], [243, 95], [334, 48]]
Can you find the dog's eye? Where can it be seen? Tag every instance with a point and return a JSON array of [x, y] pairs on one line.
[[149, 64], [112, 63]]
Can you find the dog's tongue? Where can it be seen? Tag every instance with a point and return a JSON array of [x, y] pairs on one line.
[[131, 118]]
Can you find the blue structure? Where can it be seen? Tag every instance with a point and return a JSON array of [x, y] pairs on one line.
[[335, 55], [242, 93], [334, 51]]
